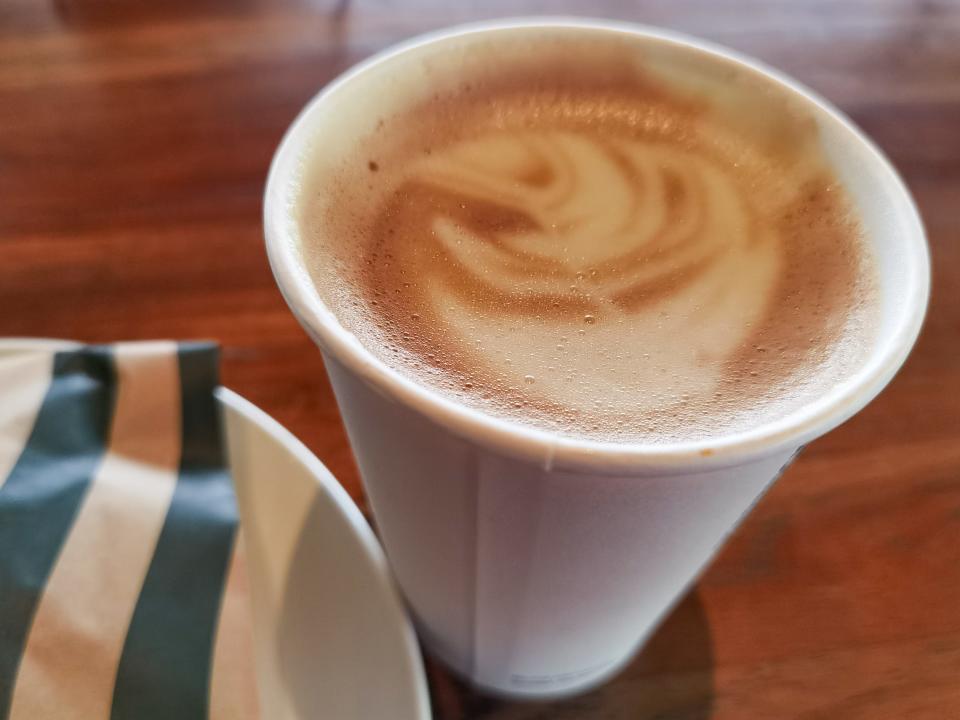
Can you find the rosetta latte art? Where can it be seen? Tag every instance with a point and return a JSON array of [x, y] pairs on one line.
[[648, 252]]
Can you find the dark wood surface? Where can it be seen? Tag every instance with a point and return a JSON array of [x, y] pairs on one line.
[[134, 141]]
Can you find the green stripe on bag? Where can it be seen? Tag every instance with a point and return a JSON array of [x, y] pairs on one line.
[[44, 490], [164, 670]]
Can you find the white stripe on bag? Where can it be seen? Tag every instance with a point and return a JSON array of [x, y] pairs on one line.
[[25, 378], [70, 659], [233, 682]]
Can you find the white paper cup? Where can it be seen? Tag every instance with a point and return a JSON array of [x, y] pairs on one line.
[[533, 564]]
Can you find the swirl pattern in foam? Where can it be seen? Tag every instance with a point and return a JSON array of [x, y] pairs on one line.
[[609, 261], [625, 244]]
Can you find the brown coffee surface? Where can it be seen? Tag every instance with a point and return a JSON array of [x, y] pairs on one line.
[[590, 248]]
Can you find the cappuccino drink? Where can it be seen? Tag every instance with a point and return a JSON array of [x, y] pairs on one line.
[[564, 235], [582, 290]]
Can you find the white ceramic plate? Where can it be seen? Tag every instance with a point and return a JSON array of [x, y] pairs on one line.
[[332, 638]]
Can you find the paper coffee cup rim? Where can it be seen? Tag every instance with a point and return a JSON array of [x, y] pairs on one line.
[[561, 451]]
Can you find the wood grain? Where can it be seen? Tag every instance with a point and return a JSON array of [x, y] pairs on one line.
[[134, 142]]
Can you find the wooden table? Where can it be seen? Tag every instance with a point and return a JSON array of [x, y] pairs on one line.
[[134, 141]]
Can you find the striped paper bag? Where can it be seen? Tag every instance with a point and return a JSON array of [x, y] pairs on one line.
[[122, 586]]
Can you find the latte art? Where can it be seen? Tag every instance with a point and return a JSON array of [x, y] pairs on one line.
[[614, 261], [634, 242]]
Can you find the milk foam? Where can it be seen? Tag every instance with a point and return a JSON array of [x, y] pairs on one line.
[[627, 265]]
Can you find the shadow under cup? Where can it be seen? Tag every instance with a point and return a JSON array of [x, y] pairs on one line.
[[534, 564]]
